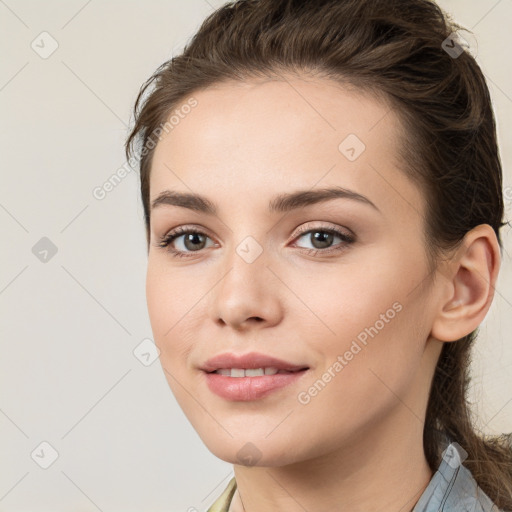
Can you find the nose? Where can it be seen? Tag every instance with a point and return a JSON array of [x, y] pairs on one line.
[[248, 296]]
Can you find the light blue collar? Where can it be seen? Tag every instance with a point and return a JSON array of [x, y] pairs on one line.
[[453, 488]]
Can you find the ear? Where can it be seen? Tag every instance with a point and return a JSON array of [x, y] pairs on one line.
[[471, 276]]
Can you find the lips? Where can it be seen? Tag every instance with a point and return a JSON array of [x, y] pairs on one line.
[[251, 360]]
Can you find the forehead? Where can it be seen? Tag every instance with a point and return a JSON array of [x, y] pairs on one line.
[[281, 111], [259, 137]]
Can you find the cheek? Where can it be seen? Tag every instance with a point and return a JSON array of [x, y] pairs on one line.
[[364, 375], [170, 302], [342, 300], [368, 325], [158, 298]]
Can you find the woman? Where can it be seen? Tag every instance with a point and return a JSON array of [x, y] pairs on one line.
[[322, 192]]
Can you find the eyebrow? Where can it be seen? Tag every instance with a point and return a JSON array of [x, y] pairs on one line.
[[280, 203]]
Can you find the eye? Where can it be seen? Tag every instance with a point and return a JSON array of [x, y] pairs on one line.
[[322, 238], [193, 241]]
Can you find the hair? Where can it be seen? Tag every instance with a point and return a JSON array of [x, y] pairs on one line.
[[392, 49]]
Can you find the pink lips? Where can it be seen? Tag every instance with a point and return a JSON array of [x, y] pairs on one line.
[[250, 360], [249, 388]]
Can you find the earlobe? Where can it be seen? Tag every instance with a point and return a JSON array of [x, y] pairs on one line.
[[467, 296]]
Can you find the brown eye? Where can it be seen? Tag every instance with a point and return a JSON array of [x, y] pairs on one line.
[[322, 239], [192, 241]]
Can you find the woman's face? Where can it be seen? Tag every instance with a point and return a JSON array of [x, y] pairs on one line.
[[357, 313]]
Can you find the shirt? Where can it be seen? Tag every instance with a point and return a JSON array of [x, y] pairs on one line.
[[452, 488]]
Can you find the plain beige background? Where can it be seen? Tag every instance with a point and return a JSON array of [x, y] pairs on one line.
[[73, 371]]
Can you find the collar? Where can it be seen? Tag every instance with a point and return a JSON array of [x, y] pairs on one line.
[[451, 489]]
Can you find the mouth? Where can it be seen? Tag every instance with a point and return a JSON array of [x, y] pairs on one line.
[[254, 372], [251, 384], [252, 364]]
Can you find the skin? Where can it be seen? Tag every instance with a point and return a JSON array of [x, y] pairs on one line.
[[243, 144]]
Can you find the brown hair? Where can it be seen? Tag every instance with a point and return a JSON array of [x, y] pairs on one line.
[[393, 49]]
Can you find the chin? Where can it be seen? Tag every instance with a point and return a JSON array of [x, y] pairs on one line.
[[257, 453]]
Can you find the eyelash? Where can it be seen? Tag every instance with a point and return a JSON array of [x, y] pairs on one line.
[[166, 240]]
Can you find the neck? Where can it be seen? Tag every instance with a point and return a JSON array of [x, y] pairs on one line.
[[383, 470]]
